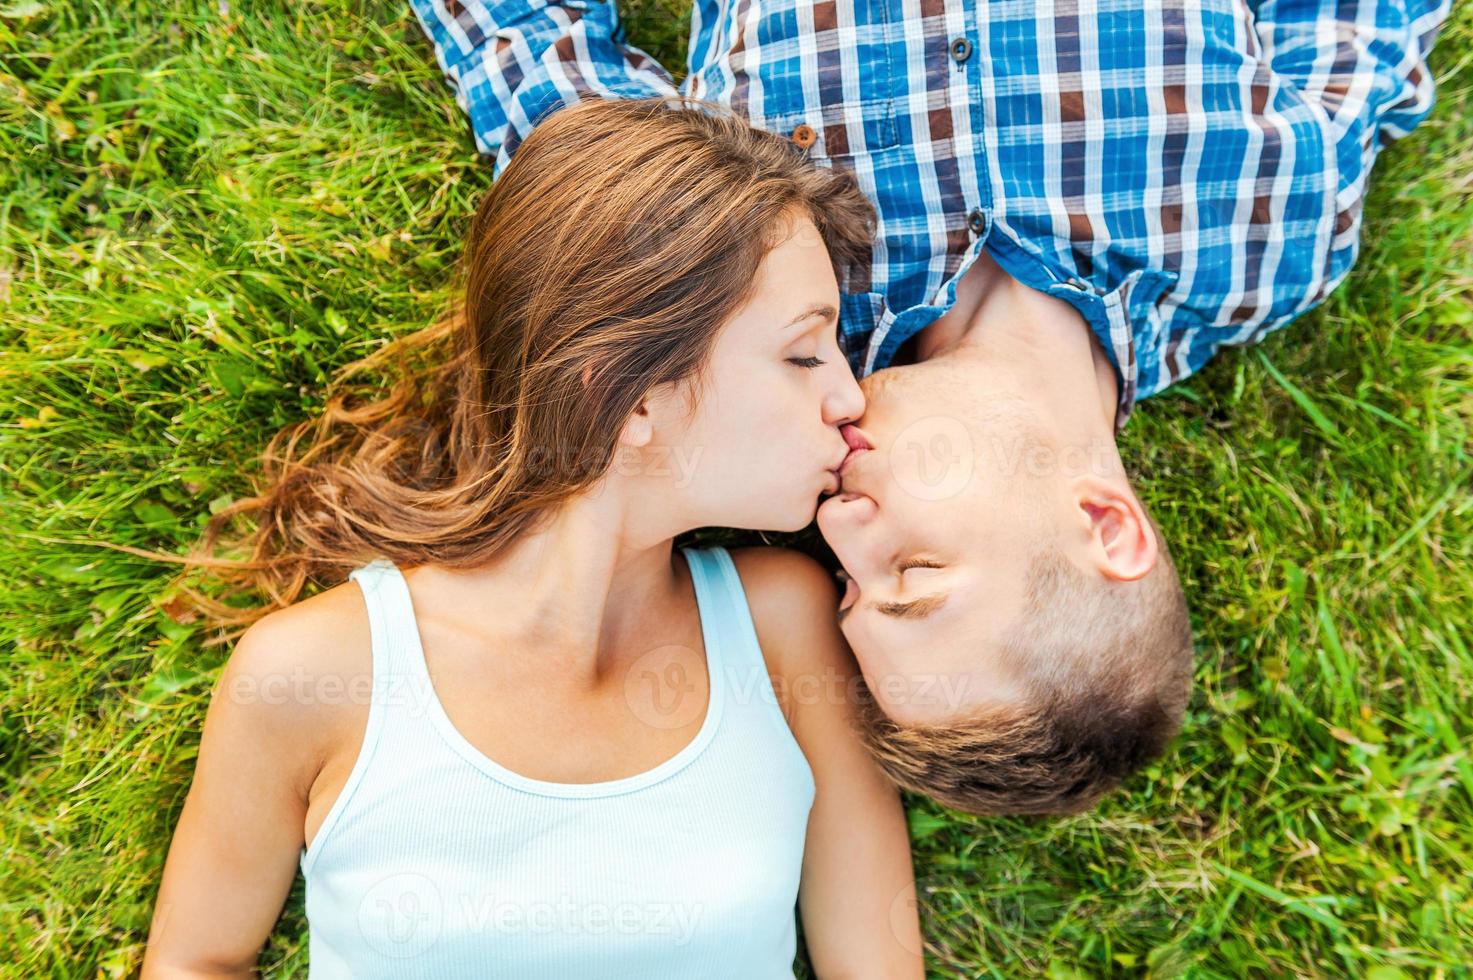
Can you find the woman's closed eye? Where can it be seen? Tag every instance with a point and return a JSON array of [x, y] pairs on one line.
[[806, 362]]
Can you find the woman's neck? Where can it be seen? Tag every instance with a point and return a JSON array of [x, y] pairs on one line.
[[585, 587]]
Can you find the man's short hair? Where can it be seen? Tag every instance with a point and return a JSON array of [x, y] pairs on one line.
[[1107, 669]]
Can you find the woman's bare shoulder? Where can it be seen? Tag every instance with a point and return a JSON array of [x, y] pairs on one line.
[[784, 581], [304, 673], [794, 602], [326, 634]]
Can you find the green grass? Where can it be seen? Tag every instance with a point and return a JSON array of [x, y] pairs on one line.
[[203, 213]]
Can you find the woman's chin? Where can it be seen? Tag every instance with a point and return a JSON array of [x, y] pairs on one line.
[[794, 513], [800, 518], [794, 518]]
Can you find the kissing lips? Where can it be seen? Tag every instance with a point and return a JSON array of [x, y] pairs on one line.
[[856, 441]]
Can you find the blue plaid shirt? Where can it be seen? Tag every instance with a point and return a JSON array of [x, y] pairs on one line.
[[1188, 173]]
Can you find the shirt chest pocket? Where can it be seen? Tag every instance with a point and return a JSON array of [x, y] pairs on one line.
[[830, 84]]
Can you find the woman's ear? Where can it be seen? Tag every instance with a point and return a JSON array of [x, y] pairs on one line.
[[1120, 541], [663, 406], [639, 428]]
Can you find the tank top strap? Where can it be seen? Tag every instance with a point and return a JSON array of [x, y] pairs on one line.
[[392, 634], [395, 635], [724, 612], [753, 709]]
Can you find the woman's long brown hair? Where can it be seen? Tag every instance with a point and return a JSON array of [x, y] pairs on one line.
[[616, 243]]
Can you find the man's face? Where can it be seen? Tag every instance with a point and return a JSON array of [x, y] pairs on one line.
[[934, 525]]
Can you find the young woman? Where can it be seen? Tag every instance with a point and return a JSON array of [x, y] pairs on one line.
[[529, 737]]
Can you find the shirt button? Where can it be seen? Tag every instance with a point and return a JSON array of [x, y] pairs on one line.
[[804, 135], [977, 221], [961, 49]]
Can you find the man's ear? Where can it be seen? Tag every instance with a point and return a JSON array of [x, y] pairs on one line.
[[1119, 539]]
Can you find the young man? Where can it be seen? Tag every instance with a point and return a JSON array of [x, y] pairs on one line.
[[1079, 202]]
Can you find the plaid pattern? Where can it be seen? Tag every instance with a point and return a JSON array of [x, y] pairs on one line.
[[1188, 173]]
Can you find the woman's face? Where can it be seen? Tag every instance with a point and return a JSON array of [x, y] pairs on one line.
[[763, 440]]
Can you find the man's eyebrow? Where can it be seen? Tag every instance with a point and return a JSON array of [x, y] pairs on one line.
[[915, 608], [822, 309]]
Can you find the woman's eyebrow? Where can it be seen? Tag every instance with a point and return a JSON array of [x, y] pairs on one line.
[[822, 309]]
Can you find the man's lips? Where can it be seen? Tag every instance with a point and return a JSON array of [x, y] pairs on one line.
[[857, 443]]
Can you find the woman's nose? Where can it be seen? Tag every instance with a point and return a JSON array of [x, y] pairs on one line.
[[845, 401]]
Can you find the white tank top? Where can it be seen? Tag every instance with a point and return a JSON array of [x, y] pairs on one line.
[[435, 861]]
